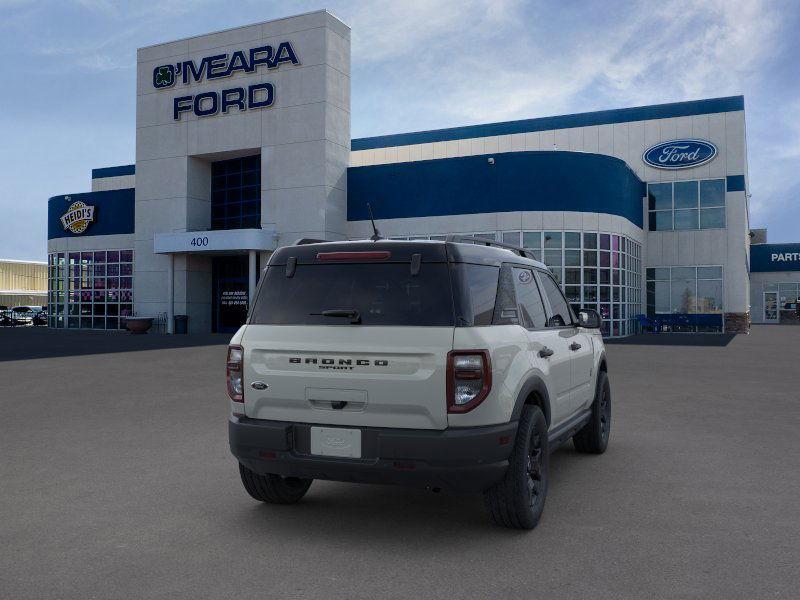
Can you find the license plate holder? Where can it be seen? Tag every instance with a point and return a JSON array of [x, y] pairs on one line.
[[335, 441]]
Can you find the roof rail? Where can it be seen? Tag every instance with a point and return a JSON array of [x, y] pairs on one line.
[[304, 241], [471, 239]]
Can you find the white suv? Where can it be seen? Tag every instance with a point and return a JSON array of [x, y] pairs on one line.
[[438, 364]]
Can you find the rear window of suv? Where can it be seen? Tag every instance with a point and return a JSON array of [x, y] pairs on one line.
[[381, 293]]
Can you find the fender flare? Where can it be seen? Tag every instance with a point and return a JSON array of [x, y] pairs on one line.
[[534, 383], [602, 359]]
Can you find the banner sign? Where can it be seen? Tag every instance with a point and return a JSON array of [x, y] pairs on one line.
[[774, 257]]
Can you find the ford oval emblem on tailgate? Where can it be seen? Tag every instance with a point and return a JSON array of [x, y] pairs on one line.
[[259, 385]]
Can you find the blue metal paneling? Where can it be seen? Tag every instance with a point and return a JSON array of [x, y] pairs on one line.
[[736, 183], [769, 258], [517, 181], [113, 171], [603, 117], [113, 213]]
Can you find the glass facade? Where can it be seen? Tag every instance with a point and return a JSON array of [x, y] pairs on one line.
[[236, 193], [686, 291], [596, 270], [785, 307], [95, 286], [686, 205]]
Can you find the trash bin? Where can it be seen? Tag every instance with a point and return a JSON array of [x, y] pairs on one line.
[[181, 324]]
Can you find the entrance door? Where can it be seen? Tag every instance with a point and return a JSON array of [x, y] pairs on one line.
[[230, 293], [770, 307]]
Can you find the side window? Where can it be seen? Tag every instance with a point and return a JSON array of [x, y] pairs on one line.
[[477, 290], [529, 300], [505, 309], [562, 315]]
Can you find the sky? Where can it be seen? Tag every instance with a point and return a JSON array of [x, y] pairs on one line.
[[68, 75]]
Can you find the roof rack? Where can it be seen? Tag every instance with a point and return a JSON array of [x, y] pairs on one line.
[[471, 239]]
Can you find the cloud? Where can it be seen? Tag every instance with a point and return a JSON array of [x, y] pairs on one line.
[[433, 65], [680, 51], [390, 30], [421, 64]]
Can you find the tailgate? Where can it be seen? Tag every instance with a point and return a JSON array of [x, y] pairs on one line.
[[370, 376]]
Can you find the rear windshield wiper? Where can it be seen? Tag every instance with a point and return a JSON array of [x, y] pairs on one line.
[[353, 315]]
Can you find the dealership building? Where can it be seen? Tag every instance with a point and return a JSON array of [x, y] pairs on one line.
[[243, 145]]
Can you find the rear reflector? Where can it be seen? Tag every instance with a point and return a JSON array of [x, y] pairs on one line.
[[404, 465], [371, 255]]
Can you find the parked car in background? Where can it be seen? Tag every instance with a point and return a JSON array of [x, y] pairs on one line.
[[24, 315], [40, 317], [5, 316]]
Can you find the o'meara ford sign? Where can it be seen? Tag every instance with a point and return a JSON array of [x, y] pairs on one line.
[[679, 154], [220, 66]]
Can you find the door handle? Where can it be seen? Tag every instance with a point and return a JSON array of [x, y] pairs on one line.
[[545, 352], [574, 346]]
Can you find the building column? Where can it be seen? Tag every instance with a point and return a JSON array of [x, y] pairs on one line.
[[251, 278], [171, 294]]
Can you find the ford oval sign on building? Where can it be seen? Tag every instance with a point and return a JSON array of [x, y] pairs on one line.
[[679, 154]]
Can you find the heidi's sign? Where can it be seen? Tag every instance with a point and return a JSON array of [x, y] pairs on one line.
[[679, 154], [78, 217]]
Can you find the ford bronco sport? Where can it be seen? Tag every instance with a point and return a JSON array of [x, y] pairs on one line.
[[440, 364]]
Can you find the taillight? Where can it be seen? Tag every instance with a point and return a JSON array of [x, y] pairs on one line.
[[469, 379], [235, 368]]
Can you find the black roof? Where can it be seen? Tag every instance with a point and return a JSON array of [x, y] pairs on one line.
[[401, 251]]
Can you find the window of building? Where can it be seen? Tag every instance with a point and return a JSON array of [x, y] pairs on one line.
[[596, 270], [236, 193], [686, 205], [56, 293], [782, 302], [96, 287], [692, 297]]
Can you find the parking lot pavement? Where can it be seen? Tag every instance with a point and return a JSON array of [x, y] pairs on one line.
[[116, 482]]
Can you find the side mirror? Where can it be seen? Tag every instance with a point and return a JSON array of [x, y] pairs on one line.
[[589, 318]]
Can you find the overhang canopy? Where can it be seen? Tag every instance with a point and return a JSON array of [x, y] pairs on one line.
[[223, 240]]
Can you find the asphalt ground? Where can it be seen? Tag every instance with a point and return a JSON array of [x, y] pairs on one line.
[[116, 482]]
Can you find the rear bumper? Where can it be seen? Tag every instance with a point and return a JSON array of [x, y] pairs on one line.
[[467, 459]]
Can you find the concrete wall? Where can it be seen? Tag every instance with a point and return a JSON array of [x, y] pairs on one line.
[[510, 221], [92, 242], [303, 139], [120, 182], [728, 247]]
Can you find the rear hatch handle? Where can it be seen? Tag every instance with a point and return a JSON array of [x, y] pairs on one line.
[[353, 315]]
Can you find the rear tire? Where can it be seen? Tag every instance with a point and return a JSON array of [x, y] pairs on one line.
[[518, 500], [593, 437], [273, 489]]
